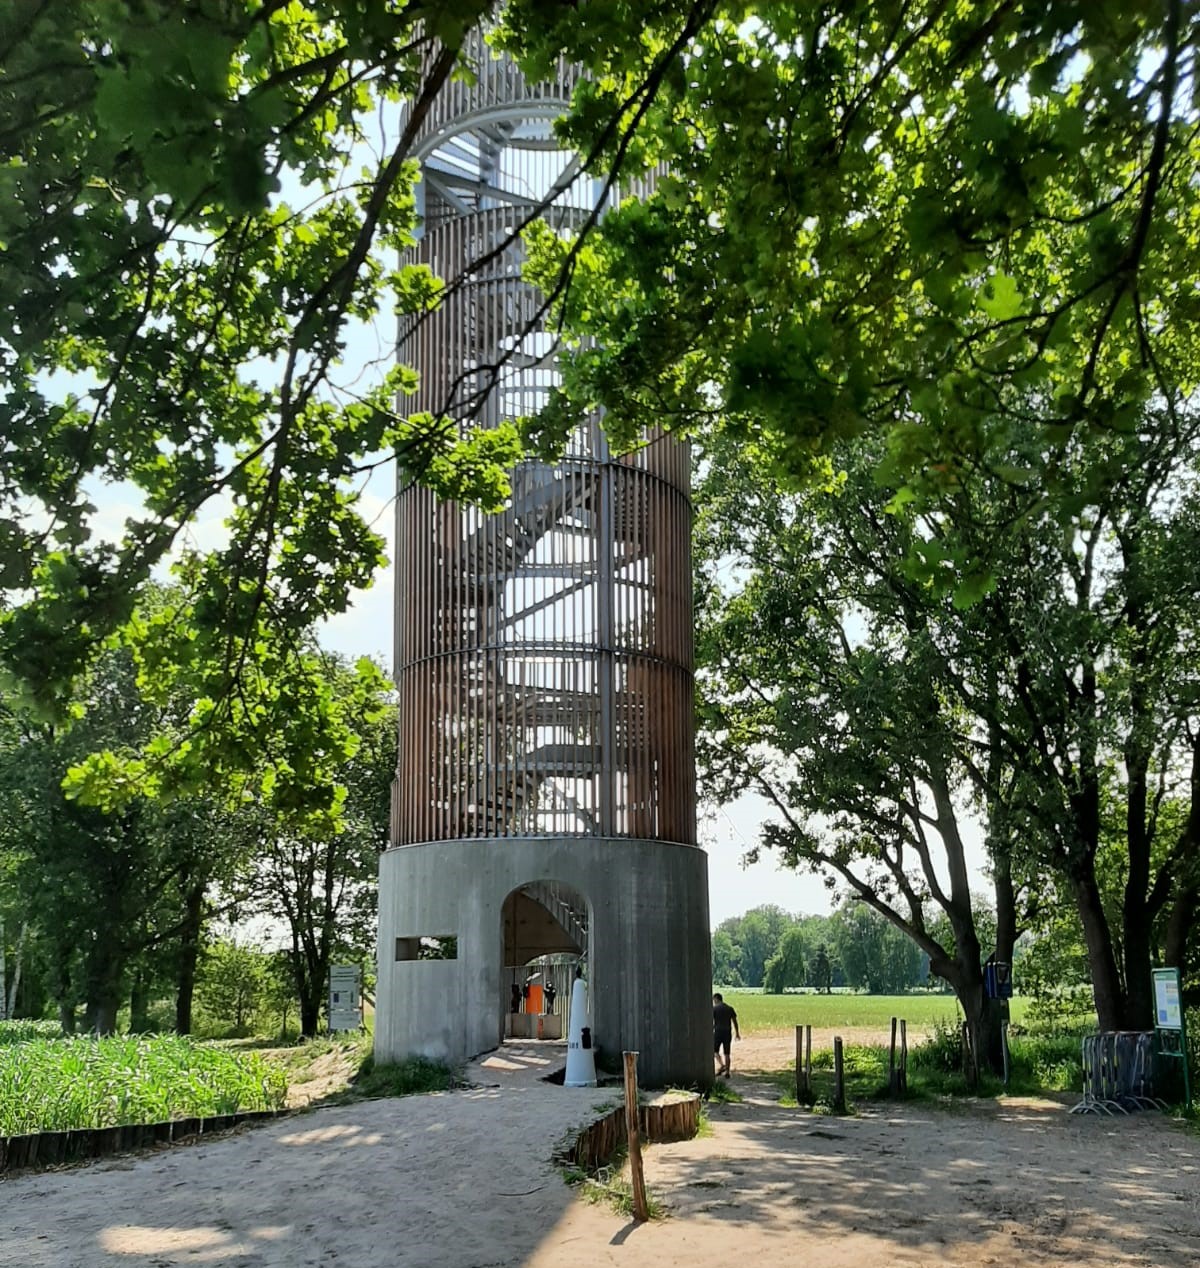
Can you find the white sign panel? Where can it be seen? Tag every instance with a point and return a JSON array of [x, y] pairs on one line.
[[1168, 1012], [345, 997]]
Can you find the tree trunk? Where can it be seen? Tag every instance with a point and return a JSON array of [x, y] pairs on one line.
[[189, 958], [103, 971], [64, 994], [1138, 1013], [1180, 924], [310, 1012], [14, 988], [310, 988], [1135, 912], [139, 1005], [1102, 960], [984, 1017]]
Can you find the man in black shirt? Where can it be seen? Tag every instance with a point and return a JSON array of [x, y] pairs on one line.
[[725, 1026]]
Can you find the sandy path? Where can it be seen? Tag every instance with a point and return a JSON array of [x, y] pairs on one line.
[[992, 1184], [462, 1180], [452, 1180]]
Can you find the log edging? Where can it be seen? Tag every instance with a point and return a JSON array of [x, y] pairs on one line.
[[50, 1149], [676, 1118]]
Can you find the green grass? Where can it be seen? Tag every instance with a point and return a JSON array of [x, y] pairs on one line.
[[404, 1078], [608, 1186], [722, 1094], [758, 1013], [67, 1084]]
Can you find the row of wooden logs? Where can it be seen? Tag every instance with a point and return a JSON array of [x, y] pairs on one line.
[[47, 1149]]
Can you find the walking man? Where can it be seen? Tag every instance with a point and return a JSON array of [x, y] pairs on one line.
[[725, 1026]]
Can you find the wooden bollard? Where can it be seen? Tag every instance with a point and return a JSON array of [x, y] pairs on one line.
[[640, 1210], [800, 1088], [903, 1056], [839, 1077], [808, 1062], [893, 1086]]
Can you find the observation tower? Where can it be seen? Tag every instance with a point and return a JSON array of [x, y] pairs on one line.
[[545, 793]]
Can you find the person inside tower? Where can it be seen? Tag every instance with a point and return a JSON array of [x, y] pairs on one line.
[[725, 1026], [548, 995], [516, 998]]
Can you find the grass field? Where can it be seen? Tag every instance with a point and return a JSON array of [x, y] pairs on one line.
[[759, 1013]]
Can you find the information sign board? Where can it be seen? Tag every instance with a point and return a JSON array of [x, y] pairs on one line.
[[1168, 1009], [345, 997]]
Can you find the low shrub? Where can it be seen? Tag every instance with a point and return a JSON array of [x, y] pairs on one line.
[[941, 1052]]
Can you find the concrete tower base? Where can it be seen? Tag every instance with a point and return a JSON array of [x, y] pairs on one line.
[[649, 956]]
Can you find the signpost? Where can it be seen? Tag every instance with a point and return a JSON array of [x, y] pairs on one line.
[[1170, 1024], [345, 997]]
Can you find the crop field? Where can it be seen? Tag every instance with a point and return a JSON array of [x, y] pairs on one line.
[[24, 1031], [67, 1084], [759, 1013]]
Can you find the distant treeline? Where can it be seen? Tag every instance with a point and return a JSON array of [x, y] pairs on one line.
[[854, 947]]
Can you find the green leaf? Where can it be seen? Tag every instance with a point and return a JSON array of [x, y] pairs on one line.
[[1000, 298]]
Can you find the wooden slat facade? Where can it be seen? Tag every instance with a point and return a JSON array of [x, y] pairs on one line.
[[543, 654]]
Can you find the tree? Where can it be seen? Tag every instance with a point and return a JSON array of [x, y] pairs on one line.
[[857, 233], [113, 902], [898, 219], [875, 955], [1099, 697], [822, 972], [726, 958], [789, 965], [756, 935], [321, 883], [233, 982], [1059, 700], [821, 688]]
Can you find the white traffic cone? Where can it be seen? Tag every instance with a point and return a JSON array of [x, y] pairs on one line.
[[581, 1059]]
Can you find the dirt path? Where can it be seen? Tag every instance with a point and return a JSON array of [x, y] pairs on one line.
[[1019, 1182], [462, 1180], [451, 1180]]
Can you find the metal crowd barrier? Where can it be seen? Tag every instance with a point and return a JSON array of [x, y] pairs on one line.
[[1118, 1073]]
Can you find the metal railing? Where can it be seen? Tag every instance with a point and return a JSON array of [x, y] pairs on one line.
[[1118, 1073]]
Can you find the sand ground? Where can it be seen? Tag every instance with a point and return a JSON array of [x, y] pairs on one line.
[[463, 1180]]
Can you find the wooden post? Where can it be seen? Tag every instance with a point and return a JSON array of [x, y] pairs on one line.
[[892, 1084], [808, 1062], [839, 1078], [640, 1210], [903, 1056], [800, 1089]]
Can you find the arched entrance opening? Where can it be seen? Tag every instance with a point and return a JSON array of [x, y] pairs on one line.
[[545, 928]]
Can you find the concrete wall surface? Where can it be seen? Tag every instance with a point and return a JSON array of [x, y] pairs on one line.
[[650, 967]]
